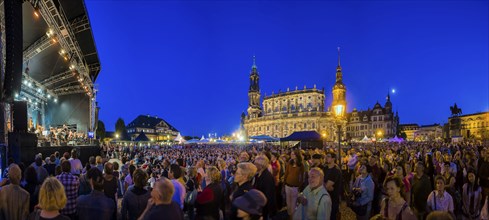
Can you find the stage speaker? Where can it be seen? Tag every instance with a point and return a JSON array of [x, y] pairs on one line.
[[19, 141], [13, 49], [20, 116]]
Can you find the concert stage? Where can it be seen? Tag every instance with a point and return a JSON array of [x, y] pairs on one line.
[[51, 65], [28, 154]]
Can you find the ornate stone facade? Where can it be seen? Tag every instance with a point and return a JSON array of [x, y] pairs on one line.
[[294, 110], [472, 126], [304, 109], [379, 122]]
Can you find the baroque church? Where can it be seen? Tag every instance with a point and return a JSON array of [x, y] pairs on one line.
[[281, 114]]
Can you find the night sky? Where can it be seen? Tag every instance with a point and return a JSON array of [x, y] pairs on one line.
[[189, 61]]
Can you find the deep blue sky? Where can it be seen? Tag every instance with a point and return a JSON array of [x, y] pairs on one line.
[[189, 61]]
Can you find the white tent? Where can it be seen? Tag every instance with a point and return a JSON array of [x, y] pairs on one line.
[[179, 138], [366, 139]]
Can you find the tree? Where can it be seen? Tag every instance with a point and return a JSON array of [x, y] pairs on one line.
[[120, 128], [403, 135], [100, 130]]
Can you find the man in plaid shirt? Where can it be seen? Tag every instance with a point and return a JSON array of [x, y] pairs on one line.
[[71, 184]]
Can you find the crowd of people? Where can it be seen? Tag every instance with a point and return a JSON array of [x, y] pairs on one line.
[[370, 181]]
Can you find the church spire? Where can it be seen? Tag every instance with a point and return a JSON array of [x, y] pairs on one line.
[[254, 62], [339, 74]]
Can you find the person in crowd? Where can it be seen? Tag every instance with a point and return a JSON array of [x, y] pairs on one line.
[[395, 207], [52, 198], [471, 196], [210, 199], [95, 205], [317, 161], [294, 179], [14, 201], [421, 188], [31, 186], [363, 189], [76, 164], [84, 188], [315, 201], [440, 199], [50, 166], [265, 183], [191, 188], [71, 184], [99, 163], [110, 184], [243, 176], [128, 179], [332, 181], [176, 177], [42, 173], [439, 215], [160, 204], [136, 197], [244, 157], [250, 205]]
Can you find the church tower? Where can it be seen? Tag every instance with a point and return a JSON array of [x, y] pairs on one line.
[[388, 103], [339, 89], [254, 109]]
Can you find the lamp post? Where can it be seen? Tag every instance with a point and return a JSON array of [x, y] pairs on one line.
[[338, 111]]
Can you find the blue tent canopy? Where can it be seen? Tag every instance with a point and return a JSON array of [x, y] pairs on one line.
[[303, 136], [264, 138]]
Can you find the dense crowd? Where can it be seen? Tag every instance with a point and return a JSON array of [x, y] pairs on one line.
[[370, 181]]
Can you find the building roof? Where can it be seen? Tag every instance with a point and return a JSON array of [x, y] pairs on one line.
[[408, 125], [147, 121]]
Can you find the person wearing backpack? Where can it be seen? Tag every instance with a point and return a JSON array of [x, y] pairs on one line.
[[395, 207]]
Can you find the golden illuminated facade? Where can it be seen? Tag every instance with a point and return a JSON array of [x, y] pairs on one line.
[[293, 110], [472, 126], [379, 122]]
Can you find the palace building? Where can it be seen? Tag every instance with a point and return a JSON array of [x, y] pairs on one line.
[[281, 114]]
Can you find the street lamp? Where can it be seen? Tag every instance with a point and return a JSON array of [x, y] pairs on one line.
[[338, 111], [379, 134]]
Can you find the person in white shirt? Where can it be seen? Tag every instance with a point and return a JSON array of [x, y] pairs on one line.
[[439, 199]]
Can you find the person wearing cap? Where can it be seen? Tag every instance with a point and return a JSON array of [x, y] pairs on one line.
[[95, 205], [250, 205], [314, 201]]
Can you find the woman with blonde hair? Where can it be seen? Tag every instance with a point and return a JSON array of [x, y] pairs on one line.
[[52, 198]]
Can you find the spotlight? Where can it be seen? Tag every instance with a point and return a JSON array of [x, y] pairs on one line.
[[65, 57], [49, 96], [50, 33], [54, 40], [29, 84], [37, 13], [25, 82], [16, 95], [39, 90], [72, 67], [55, 100]]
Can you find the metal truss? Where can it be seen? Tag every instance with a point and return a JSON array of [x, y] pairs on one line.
[[93, 108], [69, 88], [3, 37], [58, 78], [35, 88], [58, 22], [37, 47], [80, 24]]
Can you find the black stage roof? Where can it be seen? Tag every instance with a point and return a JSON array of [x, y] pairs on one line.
[[48, 62]]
